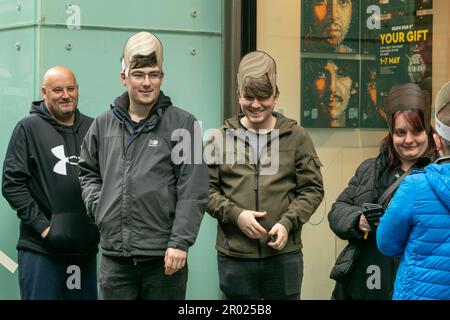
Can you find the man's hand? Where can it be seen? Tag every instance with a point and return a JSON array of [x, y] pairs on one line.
[[45, 232], [280, 236], [174, 260], [249, 226], [363, 224]]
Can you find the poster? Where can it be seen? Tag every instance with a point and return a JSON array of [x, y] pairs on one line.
[[424, 4], [369, 30], [328, 29], [372, 113], [330, 93], [405, 52], [366, 47]]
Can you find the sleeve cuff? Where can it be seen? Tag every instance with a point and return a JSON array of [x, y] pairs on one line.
[[234, 214], [177, 245], [286, 223], [41, 223]]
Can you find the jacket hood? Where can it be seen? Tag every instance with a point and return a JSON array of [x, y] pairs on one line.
[[120, 113], [438, 177], [122, 103], [283, 124], [39, 108]]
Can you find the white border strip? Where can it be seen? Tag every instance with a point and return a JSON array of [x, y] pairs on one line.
[[7, 262]]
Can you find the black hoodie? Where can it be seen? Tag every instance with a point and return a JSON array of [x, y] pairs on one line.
[[40, 182]]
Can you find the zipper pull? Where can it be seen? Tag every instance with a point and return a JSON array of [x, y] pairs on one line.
[[256, 186]]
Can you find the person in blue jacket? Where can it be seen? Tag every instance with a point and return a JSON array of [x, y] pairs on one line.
[[416, 225]]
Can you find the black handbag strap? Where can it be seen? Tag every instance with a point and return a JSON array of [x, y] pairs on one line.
[[382, 199]]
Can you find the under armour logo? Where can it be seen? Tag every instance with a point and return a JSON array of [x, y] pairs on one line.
[[60, 167]]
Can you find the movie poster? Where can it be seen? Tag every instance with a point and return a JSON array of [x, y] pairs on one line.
[[372, 113], [328, 29], [330, 93], [405, 52], [354, 51]]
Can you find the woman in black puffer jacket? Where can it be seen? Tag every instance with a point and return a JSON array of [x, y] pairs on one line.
[[364, 273]]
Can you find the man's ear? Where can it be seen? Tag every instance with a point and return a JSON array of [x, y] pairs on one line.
[[277, 96], [238, 96], [44, 92], [123, 78], [241, 100], [438, 142]]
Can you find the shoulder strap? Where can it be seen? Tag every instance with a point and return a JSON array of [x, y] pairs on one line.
[[382, 199]]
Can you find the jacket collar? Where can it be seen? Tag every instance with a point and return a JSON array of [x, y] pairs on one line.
[[443, 160]]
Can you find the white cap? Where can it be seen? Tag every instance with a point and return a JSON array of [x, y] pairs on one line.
[[141, 43], [442, 100], [255, 65]]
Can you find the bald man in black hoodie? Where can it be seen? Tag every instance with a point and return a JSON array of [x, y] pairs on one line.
[[58, 243]]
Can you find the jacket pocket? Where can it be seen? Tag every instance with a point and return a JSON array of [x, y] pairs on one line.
[[72, 233], [346, 261], [155, 210], [169, 201]]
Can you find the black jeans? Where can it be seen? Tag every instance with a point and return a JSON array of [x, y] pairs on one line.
[[278, 277], [140, 278]]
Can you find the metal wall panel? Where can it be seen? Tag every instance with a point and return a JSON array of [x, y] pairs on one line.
[[88, 37], [17, 70], [191, 65], [14, 13], [183, 16]]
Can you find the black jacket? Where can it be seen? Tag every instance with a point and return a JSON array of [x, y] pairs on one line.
[[40, 182], [142, 201], [365, 186]]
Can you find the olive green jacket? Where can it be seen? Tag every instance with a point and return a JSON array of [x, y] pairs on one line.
[[290, 195]]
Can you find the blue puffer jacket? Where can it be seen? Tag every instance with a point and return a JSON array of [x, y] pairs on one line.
[[416, 226]]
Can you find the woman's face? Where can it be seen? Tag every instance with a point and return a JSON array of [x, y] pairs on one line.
[[409, 143]]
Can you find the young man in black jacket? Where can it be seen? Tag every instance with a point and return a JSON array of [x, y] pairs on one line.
[[147, 204], [58, 242]]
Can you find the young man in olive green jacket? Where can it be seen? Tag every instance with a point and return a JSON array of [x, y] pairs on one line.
[[265, 183]]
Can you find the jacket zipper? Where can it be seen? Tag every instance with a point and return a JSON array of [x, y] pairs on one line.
[[256, 185], [256, 189]]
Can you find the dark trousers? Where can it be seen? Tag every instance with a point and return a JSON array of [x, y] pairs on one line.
[[278, 277], [140, 278], [43, 277]]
